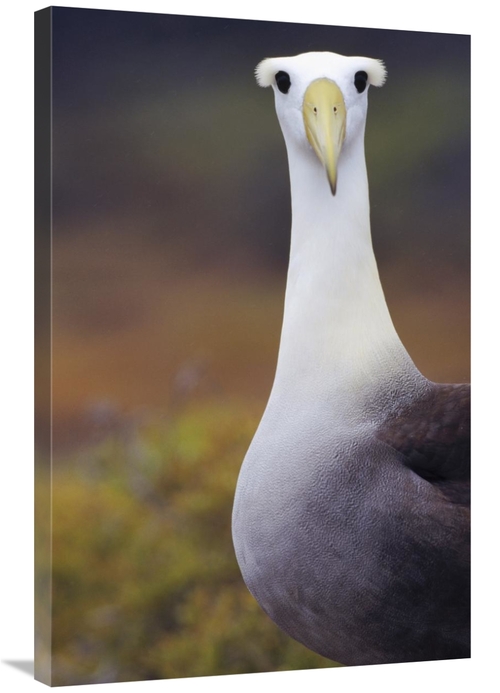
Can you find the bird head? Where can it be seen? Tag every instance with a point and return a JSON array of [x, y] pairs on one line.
[[321, 101]]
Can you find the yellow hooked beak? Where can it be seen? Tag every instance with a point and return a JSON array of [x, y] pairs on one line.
[[324, 119]]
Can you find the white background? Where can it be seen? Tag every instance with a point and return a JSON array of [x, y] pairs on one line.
[[16, 398]]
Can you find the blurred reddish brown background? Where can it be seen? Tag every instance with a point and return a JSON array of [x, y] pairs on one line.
[[171, 205]]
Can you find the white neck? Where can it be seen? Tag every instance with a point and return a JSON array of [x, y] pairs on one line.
[[337, 331]]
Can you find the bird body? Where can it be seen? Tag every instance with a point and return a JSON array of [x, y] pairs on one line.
[[351, 520]]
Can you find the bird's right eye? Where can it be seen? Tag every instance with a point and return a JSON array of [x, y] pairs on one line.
[[283, 81]]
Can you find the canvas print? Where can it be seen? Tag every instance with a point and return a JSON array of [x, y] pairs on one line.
[[252, 346]]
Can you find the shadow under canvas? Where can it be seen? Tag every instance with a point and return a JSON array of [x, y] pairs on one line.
[[27, 666]]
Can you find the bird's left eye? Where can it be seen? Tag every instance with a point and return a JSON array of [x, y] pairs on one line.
[[360, 80], [283, 81]]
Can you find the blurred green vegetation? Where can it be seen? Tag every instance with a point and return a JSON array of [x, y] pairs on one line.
[[145, 582]]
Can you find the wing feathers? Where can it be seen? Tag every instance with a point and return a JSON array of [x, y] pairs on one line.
[[433, 435]]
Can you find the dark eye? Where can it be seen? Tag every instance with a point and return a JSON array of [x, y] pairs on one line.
[[283, 81], [360, 80]]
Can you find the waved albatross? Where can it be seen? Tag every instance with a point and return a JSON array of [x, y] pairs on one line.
[[351, 513]]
